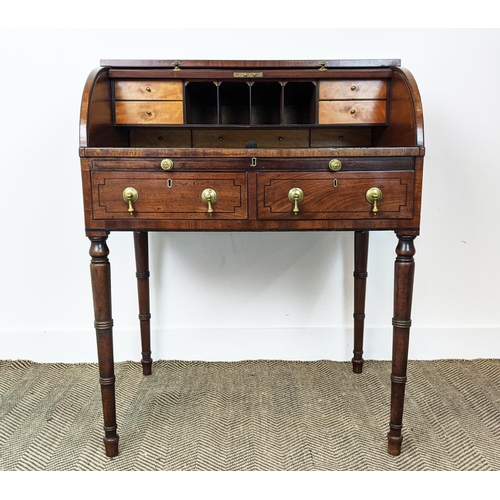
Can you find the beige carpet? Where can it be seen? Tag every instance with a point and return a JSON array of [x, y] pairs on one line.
[[250, 415]]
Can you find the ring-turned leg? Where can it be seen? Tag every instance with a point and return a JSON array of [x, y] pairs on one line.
[[403, 293], [142, 274], [101, 290], [360, 274]]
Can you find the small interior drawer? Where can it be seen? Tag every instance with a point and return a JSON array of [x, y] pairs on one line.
[[352, 112], [146, 112], [269, 138], [145, 137], [149, 90], [352, 89], [341, 137]]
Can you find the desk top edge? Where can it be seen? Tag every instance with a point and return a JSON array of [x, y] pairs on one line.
[[335, 63]]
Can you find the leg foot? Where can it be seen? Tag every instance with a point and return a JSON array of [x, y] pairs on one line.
[[357, 365], [147, 367], [394, 444], [111, 446]]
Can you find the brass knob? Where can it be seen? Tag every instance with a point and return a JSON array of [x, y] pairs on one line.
[[335, 165], [373, 196], [148, 112], [209, 196], [352, 111], [148, 89], [130, 195], [167, 164], [295, 195], [353, 87]]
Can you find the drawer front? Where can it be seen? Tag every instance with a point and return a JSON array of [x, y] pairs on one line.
[[150, 90], [341, 137], [352, 112], [270, 138], [352, 89], [338, 196], [149, 113], [169, 196], [142, 137]]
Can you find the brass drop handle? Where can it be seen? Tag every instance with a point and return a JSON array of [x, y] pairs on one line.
[[130, 195], [209, 196], [295, 195], [373, 196]]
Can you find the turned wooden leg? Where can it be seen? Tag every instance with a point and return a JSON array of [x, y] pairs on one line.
[[101, 290], [142, 274], [403, 293], [360, 274]]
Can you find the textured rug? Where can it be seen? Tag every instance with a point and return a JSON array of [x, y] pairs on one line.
[[251, 415]]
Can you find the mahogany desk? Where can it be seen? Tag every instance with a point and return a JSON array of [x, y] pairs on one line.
[[251, 146]]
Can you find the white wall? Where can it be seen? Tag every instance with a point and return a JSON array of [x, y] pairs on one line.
[[231, 296]]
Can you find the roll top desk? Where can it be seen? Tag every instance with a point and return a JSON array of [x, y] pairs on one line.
[[251, 146]]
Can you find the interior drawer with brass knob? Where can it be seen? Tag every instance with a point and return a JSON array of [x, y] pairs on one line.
[[122, 195], [352, 89], [146, 112], [344, 195], [352, 112], [151, 90]]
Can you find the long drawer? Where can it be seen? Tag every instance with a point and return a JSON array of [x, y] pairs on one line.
[[345, 195], [122, 195]]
